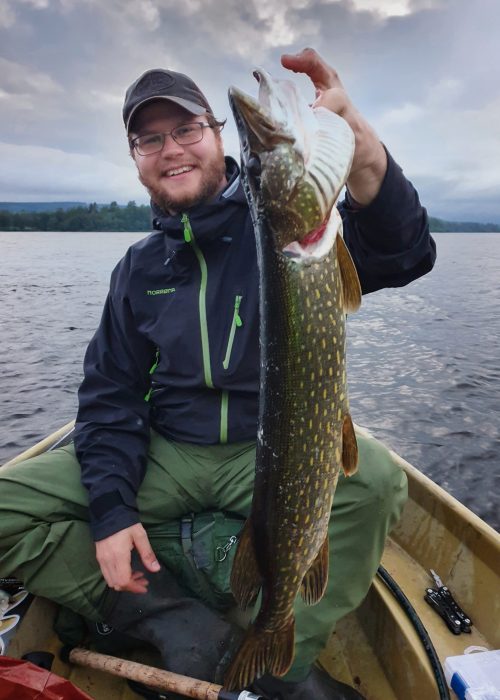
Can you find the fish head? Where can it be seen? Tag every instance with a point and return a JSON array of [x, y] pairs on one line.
[[297, 159]]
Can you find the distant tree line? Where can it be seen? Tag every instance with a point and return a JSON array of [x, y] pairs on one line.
[[94, 217], [442, 226], [113, 217]]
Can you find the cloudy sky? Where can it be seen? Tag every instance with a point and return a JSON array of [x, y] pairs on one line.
[[426, 73]]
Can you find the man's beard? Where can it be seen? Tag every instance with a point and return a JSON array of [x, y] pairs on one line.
[[213, 173]]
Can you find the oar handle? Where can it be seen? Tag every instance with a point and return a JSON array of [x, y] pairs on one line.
[[155, 677]]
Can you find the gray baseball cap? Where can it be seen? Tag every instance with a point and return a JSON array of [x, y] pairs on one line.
[[159, 84]]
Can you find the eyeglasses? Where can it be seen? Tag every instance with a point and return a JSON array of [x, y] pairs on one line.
[[183, 135]]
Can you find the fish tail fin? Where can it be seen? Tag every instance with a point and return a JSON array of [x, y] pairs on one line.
[[262, 651], [245, 575], [349, 447], [316, 579], [351, 288]]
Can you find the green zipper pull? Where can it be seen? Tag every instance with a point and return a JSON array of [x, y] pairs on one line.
[[237, 322], [237, 318], [188, 232], [151, 371], [156, 361]]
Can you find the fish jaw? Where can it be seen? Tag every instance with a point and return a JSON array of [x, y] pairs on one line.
[[256, 123], [297, 157], [289, 110]]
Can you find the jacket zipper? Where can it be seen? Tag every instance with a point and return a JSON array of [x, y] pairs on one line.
[[224, 401], [205, 349], [151, 371], [236, 323]]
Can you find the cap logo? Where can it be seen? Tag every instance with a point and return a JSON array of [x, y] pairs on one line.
[[160, 81]]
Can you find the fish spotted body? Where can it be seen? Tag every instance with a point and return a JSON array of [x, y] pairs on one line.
[[295, 161]]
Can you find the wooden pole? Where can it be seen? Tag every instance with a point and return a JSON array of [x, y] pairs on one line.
[[149, 675]]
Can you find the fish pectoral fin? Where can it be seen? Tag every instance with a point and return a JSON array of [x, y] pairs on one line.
[[351, 287], [262, 651], [314, 582], [245, 575], [349, 447]]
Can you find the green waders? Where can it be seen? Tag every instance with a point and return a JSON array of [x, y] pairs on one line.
[[45, 537]]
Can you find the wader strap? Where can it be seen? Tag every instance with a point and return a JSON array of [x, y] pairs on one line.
[[197, 549], [187, 539]]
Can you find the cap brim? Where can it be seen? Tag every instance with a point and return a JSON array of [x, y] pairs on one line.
[[186, 104]]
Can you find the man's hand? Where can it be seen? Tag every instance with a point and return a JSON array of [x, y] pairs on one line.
[[114, 557], [370, 161]]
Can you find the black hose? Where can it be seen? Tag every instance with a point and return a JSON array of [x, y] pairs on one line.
[[444, 693]]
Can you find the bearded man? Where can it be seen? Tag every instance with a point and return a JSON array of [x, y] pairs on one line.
[[166, 427]]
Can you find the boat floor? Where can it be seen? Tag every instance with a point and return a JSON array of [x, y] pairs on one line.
[[378, 641]]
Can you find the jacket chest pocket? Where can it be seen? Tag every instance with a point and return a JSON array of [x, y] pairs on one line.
[[236, 323]]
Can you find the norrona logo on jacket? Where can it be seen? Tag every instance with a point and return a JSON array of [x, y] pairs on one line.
[[154, 292]]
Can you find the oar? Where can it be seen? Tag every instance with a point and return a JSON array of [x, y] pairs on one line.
[[155, 677]]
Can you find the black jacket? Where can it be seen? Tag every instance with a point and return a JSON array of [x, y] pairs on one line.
[[177, 346]]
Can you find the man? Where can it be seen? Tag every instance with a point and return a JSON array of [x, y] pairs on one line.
[[168, 406]]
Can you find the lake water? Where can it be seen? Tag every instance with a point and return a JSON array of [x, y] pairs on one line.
[[424, 361]]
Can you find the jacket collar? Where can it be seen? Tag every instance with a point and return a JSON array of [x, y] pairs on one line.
[[208, 220]]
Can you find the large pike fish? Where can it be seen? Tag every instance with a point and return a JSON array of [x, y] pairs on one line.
[[295, 161]]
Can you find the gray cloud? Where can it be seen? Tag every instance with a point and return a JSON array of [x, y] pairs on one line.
[[49, 173], [413, 67], [16, 80]]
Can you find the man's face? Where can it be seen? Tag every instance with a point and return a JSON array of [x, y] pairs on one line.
[[205, 159]]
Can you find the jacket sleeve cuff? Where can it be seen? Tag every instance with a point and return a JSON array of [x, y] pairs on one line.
[[110, 512]]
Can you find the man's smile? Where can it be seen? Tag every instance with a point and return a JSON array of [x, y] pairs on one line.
[[180, 170]]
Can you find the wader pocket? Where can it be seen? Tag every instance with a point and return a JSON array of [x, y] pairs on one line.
[[199, 549]]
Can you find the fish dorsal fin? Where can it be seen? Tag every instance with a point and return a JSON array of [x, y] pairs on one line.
[[351, 288], [314, 582], [245, 576], [349, 447]]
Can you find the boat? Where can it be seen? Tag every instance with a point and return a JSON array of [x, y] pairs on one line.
[[378, 648]]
